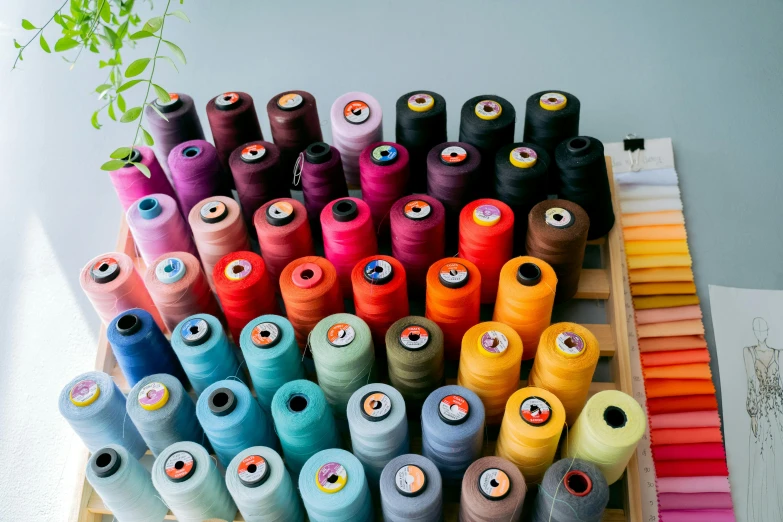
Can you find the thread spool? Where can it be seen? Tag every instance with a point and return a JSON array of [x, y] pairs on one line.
[[379, 428], [293, 117], [140, 347], [310, 292], [453, 300], [322, 177], [411, 489], [162, 411], [344, 357], [124, 485], [486, 238], [420, 125], [283, 235], [206, 354], [526, 295], [573, 490], [414, 348], [233, 121], [179, 288], [357, 121], [244, 289], [583, 179], [258, 175], [304, 422], [113, 286], [606, 433], [196, 172], [418, 237], [349, 237], [557, 233], [131, 184], [271, 354], [181, 124], [489, 366], [493, 489], [384, 174], [191, 485], [233, 420], [380, 295], [564, 364], [262, 488], [530, 431], [218, 229], [452, 430], [334, 487], [95, 408], [158, 228], [453, 171]]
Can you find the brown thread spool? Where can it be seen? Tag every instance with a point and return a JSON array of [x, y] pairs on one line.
[[233, 121], [492, 489], [414, 347], [293, 118]]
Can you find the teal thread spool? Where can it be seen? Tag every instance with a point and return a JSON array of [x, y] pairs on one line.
[[334, 488]]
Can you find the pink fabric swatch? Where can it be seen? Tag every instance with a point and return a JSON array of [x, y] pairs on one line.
[[694, 501], [691, 419], [699, 515], [661, 315], [700, 451], [693, 485], [671, 329]]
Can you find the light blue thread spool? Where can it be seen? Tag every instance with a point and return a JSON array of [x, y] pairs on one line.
[[334, 488], [411, 489], [573, 490]]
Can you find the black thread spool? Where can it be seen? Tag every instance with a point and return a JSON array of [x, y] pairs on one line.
[[421, 124], [487, 135], [583, 179], [258, 176]]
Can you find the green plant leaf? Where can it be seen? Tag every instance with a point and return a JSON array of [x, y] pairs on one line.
[[163, 94], [155, 108], [131, 115], [64, 44], [180, 15], [176, 50], [123, 30], [168, 59], [137, 67], [114, 40], [44, 44], [121, 102], [17, 44], [143, 168], [94, 49], [94, 120], [26, 24], [121, 153], [148, 140], [106, 12], [127, 85], [110, 112], [112, 165], [153, 24], [102, 87], [140, 35]]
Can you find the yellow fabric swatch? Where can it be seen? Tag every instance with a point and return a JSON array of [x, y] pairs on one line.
[[645, 219], [648, 248], [661, 275], [671, 328], [662, 288], [655, 233], [662, 261], [664, 301]]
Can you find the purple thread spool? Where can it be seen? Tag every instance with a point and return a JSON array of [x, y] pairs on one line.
[[183, 125], [158, 228], [196, 172], [452, 169], [357, 121], [258, 176], [418, 236], [323, 179], [131, 184]]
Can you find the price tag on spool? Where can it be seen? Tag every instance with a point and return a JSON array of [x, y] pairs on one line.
[[331, 477], [494, 484], [410, 480], [356, 112]]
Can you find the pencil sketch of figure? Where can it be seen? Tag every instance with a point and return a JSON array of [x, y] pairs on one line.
[[765, 407]]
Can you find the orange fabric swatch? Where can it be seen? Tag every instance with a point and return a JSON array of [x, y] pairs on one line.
[[645, 219], [659, 261], [678, 387], [655, 233], [661, 344], [660, 315], [685, 435], [664, 301], [641, 289], [677, 404], [660, 275], [671, 328], [678, 371], [653, 359], [686, 419], [650, 248]]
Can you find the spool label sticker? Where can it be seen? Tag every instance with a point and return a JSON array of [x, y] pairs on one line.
[[341, 334], [356, 112], [558, 217], [105, 269], [488, 110], [410, 480], [265, 335], [85, 392], [376, 406], [252, 469], [417, 209], [238, 269], [179, 465], [414, 337], [194, 330], [493, 342], [486, 215], [227, 99], [421, 102], [153, 396], [494, 484], [290, 101], [281, 209], [173, 98], [213, 211], [331, 477], [253, 152], [453, 274], [384, 154], [552, 101], [535, 411], [523, 157], [570, 343], [453, 409], [453, 155], [170, 270], [378, 271]]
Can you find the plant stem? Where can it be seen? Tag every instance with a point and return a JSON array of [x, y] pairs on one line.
[[37, 33], [89, 35]]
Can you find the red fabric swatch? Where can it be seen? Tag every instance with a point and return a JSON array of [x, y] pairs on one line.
[[679, 404], [700, 451], [691, 468], [685, 436]]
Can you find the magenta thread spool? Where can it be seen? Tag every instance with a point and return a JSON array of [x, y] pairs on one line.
[[322, 177], [181, 124], [452, 170], [258, 176], [357, 121], [420, 125], [384, 173], [131, 184], [418, 224], [158, 227], [195, 171]]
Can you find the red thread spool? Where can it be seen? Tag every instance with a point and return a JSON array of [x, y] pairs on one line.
[[283, 235], [310, 292], [418, 235], [258, 175], [384, 173], [293, 117], [453, 300], [244, 289], [380, 294], [486, 238], [233, 121], [349, 236]]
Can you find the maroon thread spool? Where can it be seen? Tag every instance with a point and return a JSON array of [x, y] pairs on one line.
[[257, 175], [293, 117], [322, 178], [418, 224], [452, 170]]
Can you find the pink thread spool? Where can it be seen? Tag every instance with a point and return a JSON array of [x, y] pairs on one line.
[[218, 229], [158, 227], [349, 237], [384, 175], [323, 179], [179, 288], [113, 286], [131, 184], [258, 175], [357, 121], [418, 225], [195, 171]]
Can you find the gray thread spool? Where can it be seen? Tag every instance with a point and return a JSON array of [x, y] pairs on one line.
[[411, 489], [576, 488]]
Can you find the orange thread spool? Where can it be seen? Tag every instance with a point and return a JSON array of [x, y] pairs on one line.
[[526, 295], [453, 300]]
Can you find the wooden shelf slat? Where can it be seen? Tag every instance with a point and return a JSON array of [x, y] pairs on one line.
[[593, 284]]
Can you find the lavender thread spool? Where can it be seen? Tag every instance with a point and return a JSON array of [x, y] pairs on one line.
[[323, 179], [181, 124], [357, 121], [196, 172]]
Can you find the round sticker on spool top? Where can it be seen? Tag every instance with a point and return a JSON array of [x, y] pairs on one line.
[[307, 275], [105, 270], [226, 100], [265, 335], [331, 477], [494, 484], [453, 155], [170, 270], [378, 272], [410, 480], [453, 275], [238, 269], [213, 211], [421, 102], [558, 217], [414, 337], [85, 393], [253, 471], [253, 153], [341, 334], [552, 101], [417, 209], [535, 411], [153, 396], [453, 409], [384, 155], [488, 110], [375, 406], [179, 466], [169, 105], [290, 101], [486, 215], [356, 112], [571, 344], [493, 343], [194, 331], [279, 213], [523, 157]]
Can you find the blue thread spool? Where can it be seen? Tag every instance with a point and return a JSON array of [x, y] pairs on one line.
[[334, 488]]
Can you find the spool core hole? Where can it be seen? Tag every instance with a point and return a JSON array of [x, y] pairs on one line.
[[494, 343], [193, 330], [413, 337], [384, 153], [376, 405], [344, 206], [453, 154], [569, 342], [220, 399], [578, 483], [420, 100], [147, 204], [168, 269], [529, 270], [238, 269], [227, 98], [297, 403], [378, 269], [127, 322], [578, 143], [534, 409], [558, 217], [615, 417], [191, 152], [356, 112], [553, 100], [151, 394], [416, 210], [307, 274], [103, 460], [488, 108], [332, 478], [452, 272], [264, 333], [213, 209], [252, 468], [318, 149], [494, 483], [524, 154], [253, 152], [179, 464], [104, 267]]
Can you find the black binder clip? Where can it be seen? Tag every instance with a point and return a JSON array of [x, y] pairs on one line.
[[634, 146]]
